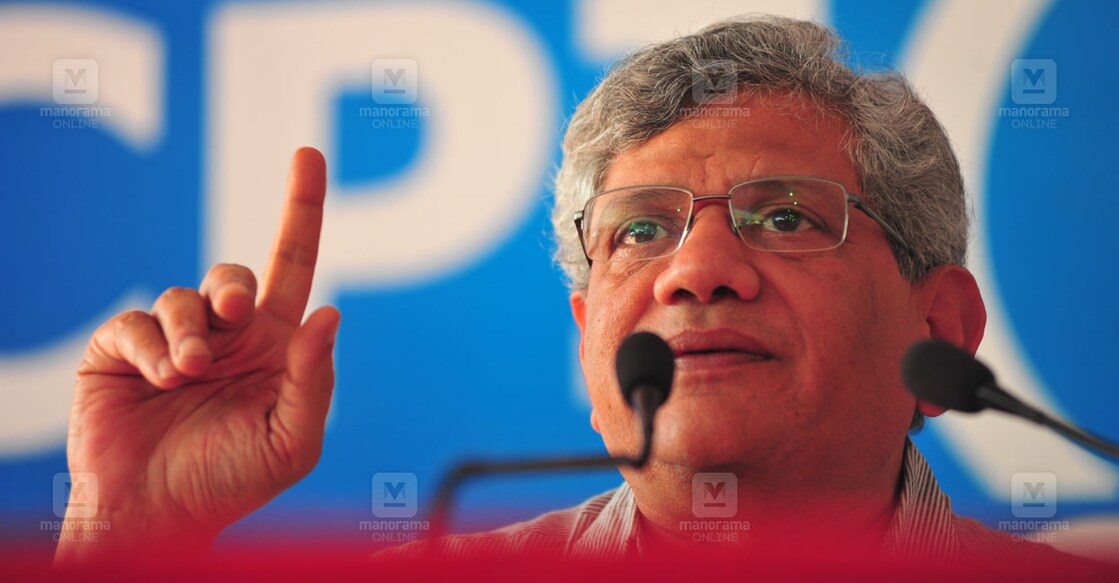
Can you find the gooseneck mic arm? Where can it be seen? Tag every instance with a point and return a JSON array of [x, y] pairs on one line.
[[947, 376], [1001, 400], [645, 365]]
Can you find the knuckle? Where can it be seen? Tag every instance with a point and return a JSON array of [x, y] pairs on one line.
[[130, 320], [223, 273], [179, 308], [136, 334], [224, 270], [298, 253], [180, 322], [146, 344], [175, 295]]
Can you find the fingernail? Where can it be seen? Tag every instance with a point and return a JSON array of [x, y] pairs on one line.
[[165, 369], [236, 288], [192, 346]]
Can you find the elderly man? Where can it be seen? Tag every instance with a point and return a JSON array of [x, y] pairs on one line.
[[788, 226]]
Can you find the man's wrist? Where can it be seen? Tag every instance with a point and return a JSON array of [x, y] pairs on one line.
[[110, 537]]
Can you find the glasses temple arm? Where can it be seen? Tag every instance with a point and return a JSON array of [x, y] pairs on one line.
[[859, 204], [579, 229]]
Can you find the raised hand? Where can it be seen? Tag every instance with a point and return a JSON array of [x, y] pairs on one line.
[[198, 413]]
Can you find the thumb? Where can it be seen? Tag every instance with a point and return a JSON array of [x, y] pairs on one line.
[[300, 414]]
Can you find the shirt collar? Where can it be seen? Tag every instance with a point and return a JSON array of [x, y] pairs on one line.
[[613, 532], [922, 523], [920, 528]]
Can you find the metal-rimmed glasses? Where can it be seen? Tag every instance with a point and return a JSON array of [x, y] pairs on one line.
[[777, 213]]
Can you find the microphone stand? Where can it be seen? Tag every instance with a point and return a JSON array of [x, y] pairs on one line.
[[948, 376], [646, 400], [996, 398]]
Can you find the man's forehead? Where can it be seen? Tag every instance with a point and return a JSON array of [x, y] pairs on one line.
[[787, 130]]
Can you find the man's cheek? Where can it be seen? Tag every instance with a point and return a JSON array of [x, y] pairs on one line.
[[600, 341]]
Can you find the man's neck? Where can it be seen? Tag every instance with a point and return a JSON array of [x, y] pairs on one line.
[[833, 509]]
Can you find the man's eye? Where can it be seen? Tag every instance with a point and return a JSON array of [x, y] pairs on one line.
[[639, 232], [784, 220], [787, 220]]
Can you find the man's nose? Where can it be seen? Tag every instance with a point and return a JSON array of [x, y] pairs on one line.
[[712, 264]]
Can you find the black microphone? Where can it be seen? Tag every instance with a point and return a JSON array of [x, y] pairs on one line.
[[644, 364], [947, 376]]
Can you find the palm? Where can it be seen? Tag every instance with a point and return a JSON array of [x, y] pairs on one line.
[[205, 448]]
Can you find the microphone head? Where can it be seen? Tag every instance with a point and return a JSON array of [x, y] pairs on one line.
[[645, 360], [945, 375]]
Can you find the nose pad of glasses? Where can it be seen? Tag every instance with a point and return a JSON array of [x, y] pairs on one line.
[[734, 226], [690, 226]]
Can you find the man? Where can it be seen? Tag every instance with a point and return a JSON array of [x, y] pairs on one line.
[[789, 234]]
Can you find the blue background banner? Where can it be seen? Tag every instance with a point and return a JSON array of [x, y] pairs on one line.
[[456, 337]]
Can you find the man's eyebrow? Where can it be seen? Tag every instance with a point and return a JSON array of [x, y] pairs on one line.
[[651, 193]]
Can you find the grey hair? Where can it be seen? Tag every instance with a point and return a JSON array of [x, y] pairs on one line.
[[907, 170], [906, 167]]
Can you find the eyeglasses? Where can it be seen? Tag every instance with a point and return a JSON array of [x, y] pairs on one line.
[[780, 213]]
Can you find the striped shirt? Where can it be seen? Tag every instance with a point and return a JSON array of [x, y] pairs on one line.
[[607, 526]]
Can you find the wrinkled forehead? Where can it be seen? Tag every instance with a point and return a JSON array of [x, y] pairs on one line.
[[721, 144]]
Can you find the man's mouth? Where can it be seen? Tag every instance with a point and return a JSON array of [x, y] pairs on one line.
[[722, 347]]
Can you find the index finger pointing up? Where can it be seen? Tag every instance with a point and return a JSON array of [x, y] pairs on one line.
[[291, 266]]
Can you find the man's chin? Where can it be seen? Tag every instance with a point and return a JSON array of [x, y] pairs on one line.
[[708, 446]]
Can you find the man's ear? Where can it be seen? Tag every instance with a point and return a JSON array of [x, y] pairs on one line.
[[954, 312], [579, 313]]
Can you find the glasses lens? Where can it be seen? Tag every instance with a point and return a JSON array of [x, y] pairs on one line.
[[633, 224], [790, 214]]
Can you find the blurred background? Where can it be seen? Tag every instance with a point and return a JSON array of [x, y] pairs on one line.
[[140, 142]]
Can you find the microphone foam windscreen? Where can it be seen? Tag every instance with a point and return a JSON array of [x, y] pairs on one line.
[[944, 375], [644, 359]]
